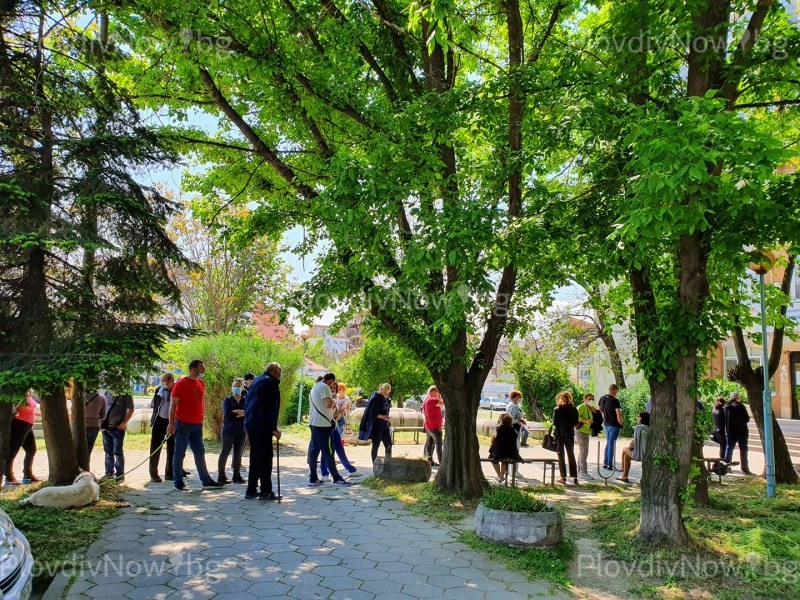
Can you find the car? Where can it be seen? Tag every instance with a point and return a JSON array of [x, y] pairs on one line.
[[16, 561], [493, 403], [414, 403]]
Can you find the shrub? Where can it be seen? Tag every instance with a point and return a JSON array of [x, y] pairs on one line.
[[500, 497], [633, 400], [228, 356], [539, 377], [289, 403]]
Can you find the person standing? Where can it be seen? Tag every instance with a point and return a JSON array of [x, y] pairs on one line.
[[336, 442], [159, 422], [186, 409], [635, 451], [118, 412], [261, 407], [342, 408], [517, 416], [565, 417], [612, 423], [736, 420], [249, 378], [432, 413], [321, 423], [21, 436], [718, 418], [233, 435], [375, 423], [584, 433], [94, 411]]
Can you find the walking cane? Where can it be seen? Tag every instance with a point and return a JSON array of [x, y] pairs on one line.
[[278, 465]]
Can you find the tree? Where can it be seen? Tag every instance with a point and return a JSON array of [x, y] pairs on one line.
[[229, 276], [752, 379], [394, 136], [540, 376], [84, 259], [678, 175], [382, 360]]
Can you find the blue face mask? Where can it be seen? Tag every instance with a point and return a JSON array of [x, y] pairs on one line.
[[237, 391], [163, 385], [201, 375]]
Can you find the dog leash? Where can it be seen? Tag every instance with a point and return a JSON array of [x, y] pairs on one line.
[[161, 445]]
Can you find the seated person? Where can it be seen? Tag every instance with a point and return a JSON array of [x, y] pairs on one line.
[[504, 446], [637, 446]]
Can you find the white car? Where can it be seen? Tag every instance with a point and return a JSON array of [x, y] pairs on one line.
[[493, 403], [16, 561]]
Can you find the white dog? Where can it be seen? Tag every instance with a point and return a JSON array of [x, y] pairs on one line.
[[84, 490]]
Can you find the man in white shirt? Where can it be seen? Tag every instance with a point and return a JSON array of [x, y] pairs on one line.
[[320, 421]]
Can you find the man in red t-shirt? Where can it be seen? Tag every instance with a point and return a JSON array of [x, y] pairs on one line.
[[186, 424]]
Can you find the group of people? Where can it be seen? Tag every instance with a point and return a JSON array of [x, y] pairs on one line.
[[731, 430]]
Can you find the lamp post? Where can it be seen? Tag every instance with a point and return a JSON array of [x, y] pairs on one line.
[[304, 336], [763, 262]]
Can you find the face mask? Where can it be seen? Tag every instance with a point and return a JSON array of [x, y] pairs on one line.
[[237, 391], [201, 375], [163, 385]]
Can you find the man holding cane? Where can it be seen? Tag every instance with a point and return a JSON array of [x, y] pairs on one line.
[[261, 407]]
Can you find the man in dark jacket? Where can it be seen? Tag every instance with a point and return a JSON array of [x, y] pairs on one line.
[[159, 421], [262, 404], [736, 419]]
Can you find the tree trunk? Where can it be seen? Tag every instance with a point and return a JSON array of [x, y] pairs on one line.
[[6, 409], [661, 518], [752, 381], [79, 425], [61, 460], [700, 481], [460, 471], [613, 354]]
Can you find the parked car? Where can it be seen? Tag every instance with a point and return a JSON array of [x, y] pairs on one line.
[[16, 561], [414, 403], [493, 403]]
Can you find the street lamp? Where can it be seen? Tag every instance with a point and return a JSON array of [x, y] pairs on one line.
[[763, 262], [304, 335]]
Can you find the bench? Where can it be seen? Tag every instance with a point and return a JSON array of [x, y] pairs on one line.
[[547, 462], [710, 463], [416, 431]]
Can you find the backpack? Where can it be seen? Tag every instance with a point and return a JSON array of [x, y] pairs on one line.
[[597, 423]]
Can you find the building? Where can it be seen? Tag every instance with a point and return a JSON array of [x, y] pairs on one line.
[[349, 337], [268, 325]]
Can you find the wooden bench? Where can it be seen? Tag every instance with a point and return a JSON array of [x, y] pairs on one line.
[[710, 463], [547, 462], [416, 431]]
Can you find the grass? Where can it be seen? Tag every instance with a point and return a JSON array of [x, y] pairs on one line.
[[58, 537], [513, 499], [425, 500], [745, 544]]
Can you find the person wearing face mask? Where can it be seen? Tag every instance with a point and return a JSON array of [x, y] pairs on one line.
[[159, 421], [186, 424], [233, 435]]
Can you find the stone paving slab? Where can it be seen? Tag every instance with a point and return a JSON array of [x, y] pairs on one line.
[[325, 542]]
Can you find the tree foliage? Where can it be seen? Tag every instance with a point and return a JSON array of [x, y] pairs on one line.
[[540, 377]]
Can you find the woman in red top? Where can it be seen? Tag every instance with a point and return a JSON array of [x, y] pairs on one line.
[[432, 411], [22, 436]]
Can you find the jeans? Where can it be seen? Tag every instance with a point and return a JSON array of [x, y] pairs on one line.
[[321, 443], [338, 447], [523, 436], [260, 461], [386, 437], [231, 441], [583, 452], [567, 446], [112, 446], [91, 438], [612, 433], [740, 439], [191, 435], [433, 437], [156, 437], [340, 426], [21, 436]]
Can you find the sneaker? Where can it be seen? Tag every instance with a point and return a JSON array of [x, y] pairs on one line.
[[105, 478], [352, 470], [13, 483], [342, 482], [223, 480], [120, 479], [213, 484], [180, 486], [315, 483], [524, 445], [250, 496], [155, 479], [267, 496], [238, 480]]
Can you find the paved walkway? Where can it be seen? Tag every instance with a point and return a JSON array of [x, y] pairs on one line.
[[326, 542]]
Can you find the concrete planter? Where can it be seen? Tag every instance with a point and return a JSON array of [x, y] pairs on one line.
[[517, 528], [402, 469]]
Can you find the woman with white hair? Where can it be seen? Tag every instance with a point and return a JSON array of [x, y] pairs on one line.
[[375, 424]]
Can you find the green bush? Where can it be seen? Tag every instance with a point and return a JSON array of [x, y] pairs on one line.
[[500, 497], [289, 403], [633, 400], [540, 377], [719, 386], [228, 356]]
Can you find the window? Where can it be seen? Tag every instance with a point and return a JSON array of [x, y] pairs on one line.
[[731, 359]]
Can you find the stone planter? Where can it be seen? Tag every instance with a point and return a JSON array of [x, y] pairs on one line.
[[402, 469], [517, 528]]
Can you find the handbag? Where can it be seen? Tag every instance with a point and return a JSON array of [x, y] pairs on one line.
[[550, 442]]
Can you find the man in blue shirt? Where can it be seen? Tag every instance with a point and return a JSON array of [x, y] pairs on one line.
[[262, 404]]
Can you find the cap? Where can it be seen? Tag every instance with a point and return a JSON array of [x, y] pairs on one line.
[[249, 376]]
